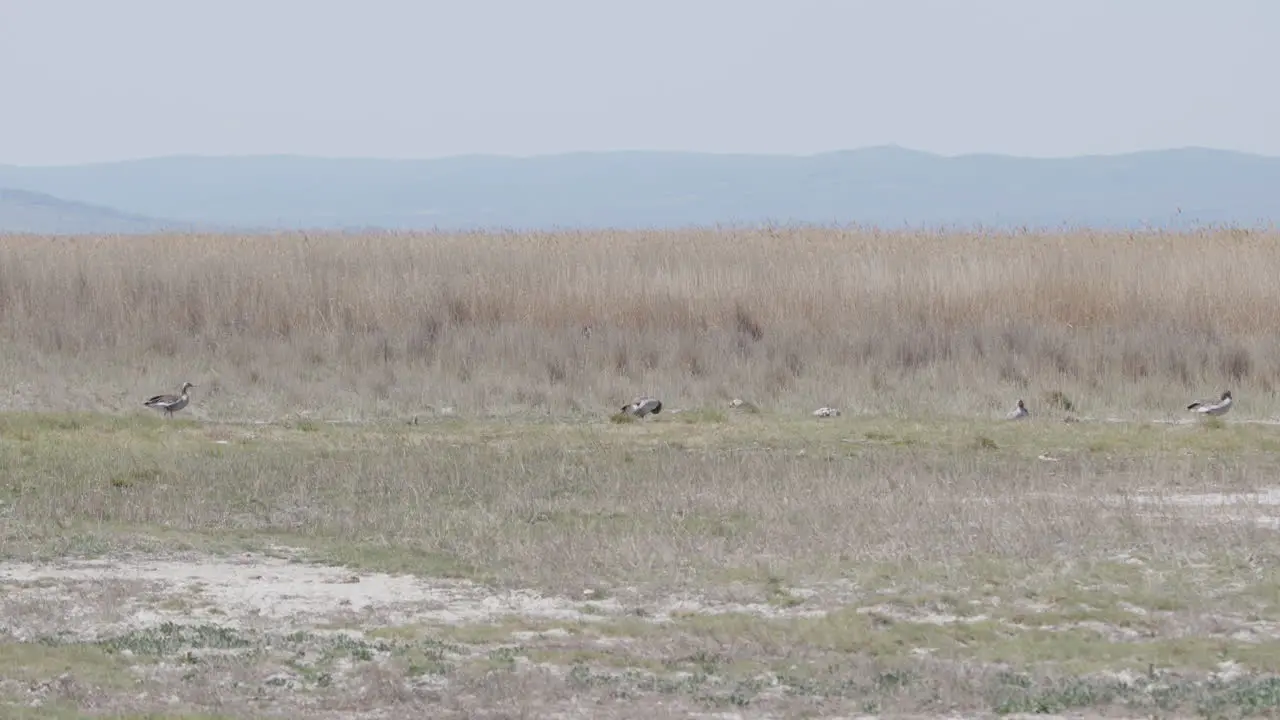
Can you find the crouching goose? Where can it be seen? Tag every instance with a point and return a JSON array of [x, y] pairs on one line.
[[1212, 407], [1020, 411], [642, 406]]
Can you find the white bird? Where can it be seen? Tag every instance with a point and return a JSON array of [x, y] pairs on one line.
[[826, 412], [1020, 411], [170, 404], [1210, 407], [642, 406]]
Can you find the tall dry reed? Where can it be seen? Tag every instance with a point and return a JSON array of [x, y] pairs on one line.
[[393, 324]]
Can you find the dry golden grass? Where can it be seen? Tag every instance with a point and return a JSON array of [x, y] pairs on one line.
[[381, 325]]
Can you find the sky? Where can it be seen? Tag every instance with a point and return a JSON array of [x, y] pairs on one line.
[[91, 81]]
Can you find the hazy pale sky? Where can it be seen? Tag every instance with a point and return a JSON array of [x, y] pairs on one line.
[[91, 80]]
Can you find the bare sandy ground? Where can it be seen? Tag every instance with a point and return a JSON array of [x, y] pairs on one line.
[[271, 595], [289, 612], [104, 597], [258, 591], [1261, 508]]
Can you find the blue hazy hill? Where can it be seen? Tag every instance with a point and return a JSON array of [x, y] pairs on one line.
[[884, 186], [23, 211]]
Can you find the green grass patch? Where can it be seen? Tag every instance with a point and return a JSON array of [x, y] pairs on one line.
[[38, 662]]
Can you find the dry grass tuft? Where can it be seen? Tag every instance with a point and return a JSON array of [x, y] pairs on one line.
[[391, 324]]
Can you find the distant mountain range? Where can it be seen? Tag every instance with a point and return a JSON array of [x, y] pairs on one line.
[[882, 186], [22, 211]]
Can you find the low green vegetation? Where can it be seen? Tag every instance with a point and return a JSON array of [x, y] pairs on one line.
[[706, 561]]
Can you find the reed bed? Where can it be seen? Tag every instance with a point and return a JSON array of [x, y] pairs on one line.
[[559, 323]]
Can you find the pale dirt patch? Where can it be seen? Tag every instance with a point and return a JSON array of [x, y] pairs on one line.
[[293, 636], [90, 599], [322, 672], [1261, 508], [899, 613]]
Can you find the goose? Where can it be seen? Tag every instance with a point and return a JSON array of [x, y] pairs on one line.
[[642, 406], [170, 404], [1020, 411], [1212, 407]]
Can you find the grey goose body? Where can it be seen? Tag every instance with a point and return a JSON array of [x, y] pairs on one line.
[[1020, 412], [170, 404], [642, 406], [1212, 407]]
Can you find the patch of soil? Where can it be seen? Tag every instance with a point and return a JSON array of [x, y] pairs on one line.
[[90, 599]]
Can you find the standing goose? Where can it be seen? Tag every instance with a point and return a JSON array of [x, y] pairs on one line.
[[1020, 411], [170, 404], [1210, 407], [642, 406]]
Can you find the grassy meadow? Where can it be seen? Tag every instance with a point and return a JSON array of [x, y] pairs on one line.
[[917, 555]]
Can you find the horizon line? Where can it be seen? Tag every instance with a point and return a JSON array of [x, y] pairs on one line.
[[580, 153]]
